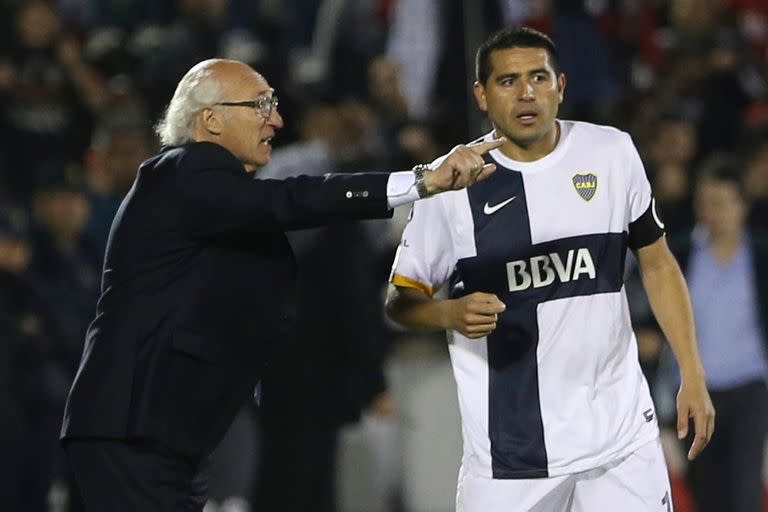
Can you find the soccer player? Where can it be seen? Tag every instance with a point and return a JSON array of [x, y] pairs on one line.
[[556, 413]]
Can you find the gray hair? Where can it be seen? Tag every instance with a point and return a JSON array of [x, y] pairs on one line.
[[197, 89]]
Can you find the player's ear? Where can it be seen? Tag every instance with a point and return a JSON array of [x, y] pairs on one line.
[[560, 87], [210, 121], [479, 90]]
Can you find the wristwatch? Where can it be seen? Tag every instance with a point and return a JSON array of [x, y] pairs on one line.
[[421, 186]]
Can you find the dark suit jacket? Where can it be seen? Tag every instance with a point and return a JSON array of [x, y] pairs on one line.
[[198, 282], [681, 248]]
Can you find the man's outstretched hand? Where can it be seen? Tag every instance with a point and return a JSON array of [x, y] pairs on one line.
[[464, 166]]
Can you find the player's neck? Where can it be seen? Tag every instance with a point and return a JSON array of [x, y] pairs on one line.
[[535, 151]]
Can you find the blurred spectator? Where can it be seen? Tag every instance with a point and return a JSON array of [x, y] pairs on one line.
[[32, 375], [195, 35], [587, 58], [752, 17], [696, 18], [731, 75], [362, 35], [97, 14], [756, 184], [415, 46], [345, 135], [328, 374], [672, 152], [19, 325], [119, 145], [65, 278], [66, 284], [432, 42], [61, 212], [726, 266], [385, 92], [401, 141], [332, 369], [320, 146], [48, 92]]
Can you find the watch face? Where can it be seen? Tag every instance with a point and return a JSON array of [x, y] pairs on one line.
[[421, 187]]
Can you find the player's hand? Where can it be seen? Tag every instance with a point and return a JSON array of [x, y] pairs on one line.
[[464, 166], [693, 402], [475, 315]]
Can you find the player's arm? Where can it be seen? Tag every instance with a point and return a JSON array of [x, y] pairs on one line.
[[671, 304], [668, 295], [473, 315]]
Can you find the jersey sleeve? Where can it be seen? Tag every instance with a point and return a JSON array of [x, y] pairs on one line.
[[424, 256], [645, 224]]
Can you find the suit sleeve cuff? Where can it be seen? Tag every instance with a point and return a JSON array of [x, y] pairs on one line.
[[401, 189]]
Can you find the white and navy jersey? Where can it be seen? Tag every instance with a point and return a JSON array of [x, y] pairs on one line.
[[557, 387]]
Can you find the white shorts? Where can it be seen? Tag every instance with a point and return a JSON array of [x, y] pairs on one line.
[[636, 483]]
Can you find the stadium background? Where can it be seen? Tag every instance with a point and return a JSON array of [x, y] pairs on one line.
[[363, 85]]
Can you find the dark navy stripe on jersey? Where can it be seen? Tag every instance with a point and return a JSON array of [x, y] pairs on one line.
[[488, 271], [514, 415], [502, 236]]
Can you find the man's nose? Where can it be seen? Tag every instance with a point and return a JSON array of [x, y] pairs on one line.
[[275, 119], [527, 93]]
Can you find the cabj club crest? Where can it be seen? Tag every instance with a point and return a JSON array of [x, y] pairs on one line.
[[585, 185]]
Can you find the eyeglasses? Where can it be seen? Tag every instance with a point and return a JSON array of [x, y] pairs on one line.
[[264, 105]]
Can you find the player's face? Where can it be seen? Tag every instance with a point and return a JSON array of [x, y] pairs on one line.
[[719, 207], [522, 94], [245, 131]]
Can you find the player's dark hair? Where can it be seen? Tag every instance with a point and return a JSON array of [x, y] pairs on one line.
[[512, 37], [724, 168]]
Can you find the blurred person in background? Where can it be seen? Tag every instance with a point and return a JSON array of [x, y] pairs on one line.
[[20, 322], [756, 182], [328, 373], [39, 362], [593, 80], [332, 370], [708, 60], [120, 143], [726, 266], [193, 34], [732, 74], [428, 41], [198, 285], [49, 94], [556, 414], [404, 140], [385, 92], [319, 144], [61, 212], [66, 280], [197, 30], [671, 156]]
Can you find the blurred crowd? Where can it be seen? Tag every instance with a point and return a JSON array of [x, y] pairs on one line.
[[363, 85]]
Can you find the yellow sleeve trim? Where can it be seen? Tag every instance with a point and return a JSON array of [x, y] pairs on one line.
[[407, 282]]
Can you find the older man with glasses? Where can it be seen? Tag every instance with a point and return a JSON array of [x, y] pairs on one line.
[[199, 282]]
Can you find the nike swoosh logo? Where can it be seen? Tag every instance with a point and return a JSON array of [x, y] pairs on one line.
[[489, 210]]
